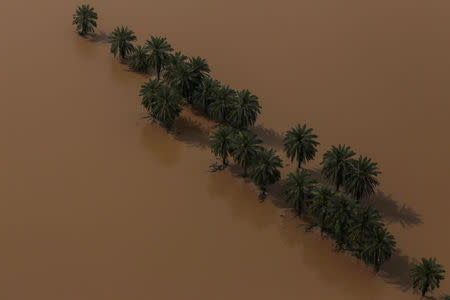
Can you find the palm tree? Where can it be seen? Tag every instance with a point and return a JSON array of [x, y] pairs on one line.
[[120, 40], [149, 92], [245, 147], [198, 70], [139, 60], [427, 275], [367, 222], [447, 297], [85, 18], [175, 61], [159, 49], [220, 143], [245, 110], [360, 179], [220, 106], [319, 204], [337, 162], [341, 217], [205, 93], [298, 188], [377, 248], [300, 144], [166, 106], [265, 170]]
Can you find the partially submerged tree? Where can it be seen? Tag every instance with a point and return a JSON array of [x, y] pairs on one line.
[[220, 106], [360, 180], [300, 144], [139, 60], [166, 106], [85, 18], [149, 92], [246, 146], [205, 93], [159, 50], [244, 111], [265, 170], [377, 248], [427, 275], [298, 188], [221, 143], [336, 164], [120, 40]]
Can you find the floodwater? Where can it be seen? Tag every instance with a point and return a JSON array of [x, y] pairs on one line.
[[97, 203]]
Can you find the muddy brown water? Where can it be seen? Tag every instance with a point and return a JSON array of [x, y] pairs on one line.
[[97, 203]]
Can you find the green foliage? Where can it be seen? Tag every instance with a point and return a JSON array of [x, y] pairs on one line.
[[319, 203], [360, 179], [300, 144], [367, 222], [298, 188], [336, 163], [427, 275], [341, 218], [245, 147], [221, 143], [221, 104], [159, 50], [149, 92], [120, 40], [244, 110], [166, 106], [198, 70], [265, 169], [377, 248], [447, 297], [139, 60], [85, 18], [205, 93]]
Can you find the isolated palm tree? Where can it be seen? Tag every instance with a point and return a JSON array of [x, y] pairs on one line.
[[221, 104], [221, 142], [300, 144], [245, 110], [336, 164], [265, 170], [360, 179], [367, 222], [377, 248], [166, 106], [120, 40], [246, 146], [139, 60], [427, 275], [85, 18], [319, 204], [298, 188], [341, 217], [159, 50], [205, 93], [149, 92]]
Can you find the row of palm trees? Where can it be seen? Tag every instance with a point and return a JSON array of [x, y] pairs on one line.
[[182, 80]]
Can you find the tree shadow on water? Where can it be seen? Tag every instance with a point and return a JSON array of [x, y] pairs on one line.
[[392, 211], [191, 132], [396, 270], [269, 136], [98, 37]]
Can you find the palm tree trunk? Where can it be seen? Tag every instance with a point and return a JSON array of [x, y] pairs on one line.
[[245, 172], [224, 161], [299, 164]]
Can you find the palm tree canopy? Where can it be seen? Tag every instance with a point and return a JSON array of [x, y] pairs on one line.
[[427, 275], [360, 179], [377, 248], [139, 59], [336, 163], [221, 104], [245, 147], [166, 106], [265, 170], [199, 69], [244, 110], [159, 50], [85, 18], [120, 40], [341, 215], [149, 92], [367, 222], [221, 141], [319, 203], [298, 188], [300, 144], [205, 93]]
